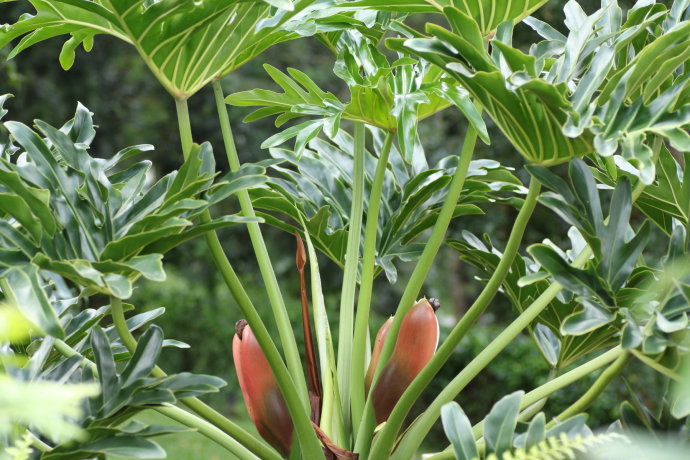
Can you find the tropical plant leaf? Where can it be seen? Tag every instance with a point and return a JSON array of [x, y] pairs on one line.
[[531, 114], [488, 14], [95, 221], [667, 198], [185, 44], [524, 283], [578, 93], [459, 431], [124, 393], [500, 423], [392, 97], [317, 187]]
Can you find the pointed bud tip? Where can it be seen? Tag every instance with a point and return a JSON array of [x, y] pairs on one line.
[[301, 254], [239, 327], [435, 303]]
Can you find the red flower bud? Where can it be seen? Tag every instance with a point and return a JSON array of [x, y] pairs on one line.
[[260, 390], [378, 346], [414, 347]]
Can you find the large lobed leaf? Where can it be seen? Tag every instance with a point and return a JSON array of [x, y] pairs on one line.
[[488, 14], [559, 348], [94, 221], [125, 392], [186, 44], [604, 87], [390, 96], [316, 186]]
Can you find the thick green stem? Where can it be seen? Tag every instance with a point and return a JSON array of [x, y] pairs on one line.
[[190, 420], [422, 425], [414, 285], [387, 436], [359, 343], [196, 405], [184, 126], [544, 391], [285, 330], [128, 340], [311, 448], [347, 294], [533, 409], [413, 437], [209, 430], [594, 391]]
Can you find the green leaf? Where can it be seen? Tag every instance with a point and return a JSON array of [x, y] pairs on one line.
[[500, 423], [536, 432], [530, 114], [145, 356], [130, 245], [125, 446], [669, 197], [164, 244], [107, 374], [582, 322], [15, 206], [150, 266], [24, 285], [548, 343], [458, 429], [487, 14], [581, 282], [37, 199], [320, 191], [3, 99], [547, 330], [173, 37]]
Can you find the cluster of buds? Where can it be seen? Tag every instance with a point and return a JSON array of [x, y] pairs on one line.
[[415, 345]]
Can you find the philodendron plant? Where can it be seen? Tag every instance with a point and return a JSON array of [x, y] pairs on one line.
[[607, 97]]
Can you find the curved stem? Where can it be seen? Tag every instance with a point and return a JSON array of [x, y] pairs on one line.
[[359, 343], [195, 404], [562, 381], [190, 420], [38, 444], [293, 398], [414, 285], [311, 448], [347, 294], [594, 391], [128, 340], [285, 330], [387, 436], [533, 409], [209, 430], [423, 423], [656, 365]]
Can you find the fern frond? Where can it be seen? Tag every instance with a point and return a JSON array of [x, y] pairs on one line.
[[559, 448]]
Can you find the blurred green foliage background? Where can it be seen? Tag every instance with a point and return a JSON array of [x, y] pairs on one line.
[[131, 108]]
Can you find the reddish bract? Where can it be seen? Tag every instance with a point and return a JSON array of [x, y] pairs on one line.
[[260, 390], [414, 347]]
